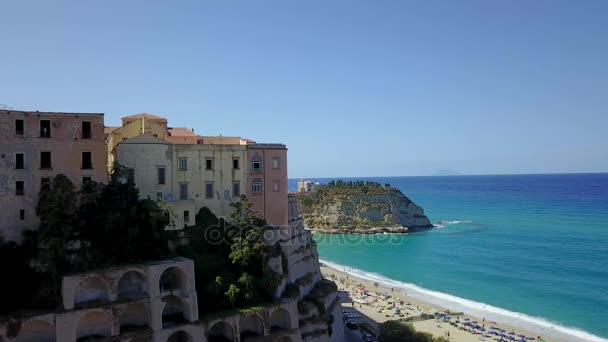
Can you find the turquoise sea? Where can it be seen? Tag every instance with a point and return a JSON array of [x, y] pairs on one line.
[[527, 250]]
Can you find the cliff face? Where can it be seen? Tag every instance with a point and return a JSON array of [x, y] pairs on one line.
[[361, 210]]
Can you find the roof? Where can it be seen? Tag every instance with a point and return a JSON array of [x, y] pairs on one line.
[[181, 132], [110, 129], [144, 139], [144, 115], [11, 111]]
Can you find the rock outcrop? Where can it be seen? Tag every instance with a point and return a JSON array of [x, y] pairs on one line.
[[368, 208]]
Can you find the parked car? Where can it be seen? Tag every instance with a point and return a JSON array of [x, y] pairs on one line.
[[352, 325]]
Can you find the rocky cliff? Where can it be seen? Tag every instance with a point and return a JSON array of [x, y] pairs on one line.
[[360, 208]]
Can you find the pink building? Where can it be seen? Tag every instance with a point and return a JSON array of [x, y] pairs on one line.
[[35, 146], [267, 181]]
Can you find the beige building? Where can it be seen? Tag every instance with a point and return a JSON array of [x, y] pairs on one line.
[[36, 146]]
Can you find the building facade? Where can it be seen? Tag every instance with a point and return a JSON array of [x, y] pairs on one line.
[[267, 182], [36, 146]]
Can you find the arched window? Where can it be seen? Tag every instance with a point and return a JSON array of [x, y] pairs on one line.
[[90, 290], [257, 185], [94, 325], [134, 317], [280, 320], [251, 326], [173, 312], [172, 279], [180, 336], [257, 163], [36, 331], [221, 332], [131, 284]]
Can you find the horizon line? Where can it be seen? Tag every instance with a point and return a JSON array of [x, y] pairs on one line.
[[463, 175]]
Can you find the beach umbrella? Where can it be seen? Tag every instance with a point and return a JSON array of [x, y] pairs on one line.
[[503, 331], [531, 338], [475, 322], [512, 333], [481, 329], [502, 335], [466, 319], [494, 328], [511, 338], [522, 336]]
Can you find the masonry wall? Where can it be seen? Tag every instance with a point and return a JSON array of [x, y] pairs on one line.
[[271, 203], [66, 144]]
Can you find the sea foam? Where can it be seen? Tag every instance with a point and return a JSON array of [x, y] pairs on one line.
[[537, 325]]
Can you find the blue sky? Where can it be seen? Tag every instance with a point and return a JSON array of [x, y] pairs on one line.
[[354, 88]]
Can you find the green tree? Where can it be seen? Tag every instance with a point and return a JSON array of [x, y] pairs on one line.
[[232, 294]]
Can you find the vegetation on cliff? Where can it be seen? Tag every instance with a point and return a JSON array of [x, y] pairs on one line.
[[358, 206], [400, 331], [104, 225]]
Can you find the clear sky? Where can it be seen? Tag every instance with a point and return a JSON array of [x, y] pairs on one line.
[[354, 88]]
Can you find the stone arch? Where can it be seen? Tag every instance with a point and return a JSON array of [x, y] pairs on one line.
[[174, 311], [172, 279], [280, 320], [95, 324], [131, 284], [221, 331], [133, 317], [36, 331], [251, 326], [180, 336], [92, 289]]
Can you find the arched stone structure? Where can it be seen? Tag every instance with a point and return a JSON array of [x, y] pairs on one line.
[[174, 311], [173, 279], [94, 324], [180, 336], [91, 289], [131, 284], [221, 331], [251, 326], [280, 319], [135, 316], [36, 331]]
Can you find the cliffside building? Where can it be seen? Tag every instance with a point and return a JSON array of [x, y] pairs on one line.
[[36, 146], [190, 171]]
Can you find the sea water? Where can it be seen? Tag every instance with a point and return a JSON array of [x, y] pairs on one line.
[[526, 250]]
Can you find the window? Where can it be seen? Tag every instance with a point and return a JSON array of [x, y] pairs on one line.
[[257, 185], [19, 188], [199, 141], [209, 164], [45, 183], [183, 164], [183, 191], [19, 161], [19, 127], [209, 190], [86, 130], [45, 160], [236, 189], [86, 180], [275, 186], [161, 175], [45, 128], [131, 175], [186, 216], [256, 162], [86, 161], [159, 196], [276, 163], [235, 163], [22, 214]]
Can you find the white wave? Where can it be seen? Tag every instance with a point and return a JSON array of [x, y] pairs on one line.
[[537, 325], [437, 225], [453, 222]]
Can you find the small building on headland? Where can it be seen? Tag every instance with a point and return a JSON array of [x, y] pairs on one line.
[[307, 186]]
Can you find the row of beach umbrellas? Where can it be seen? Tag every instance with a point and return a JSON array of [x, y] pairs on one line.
[[493, 329]]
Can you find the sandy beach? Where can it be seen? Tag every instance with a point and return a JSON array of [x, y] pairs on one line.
[[371, 301]]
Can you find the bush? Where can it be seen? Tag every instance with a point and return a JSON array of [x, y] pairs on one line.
[[400, 331]]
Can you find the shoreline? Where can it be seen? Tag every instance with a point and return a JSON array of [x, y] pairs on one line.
[[353, 280], [372, 230]]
